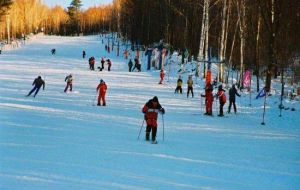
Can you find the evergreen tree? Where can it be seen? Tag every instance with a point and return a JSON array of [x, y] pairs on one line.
[[74, 13]]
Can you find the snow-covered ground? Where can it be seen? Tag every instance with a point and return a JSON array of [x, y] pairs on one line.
[[60, 141]]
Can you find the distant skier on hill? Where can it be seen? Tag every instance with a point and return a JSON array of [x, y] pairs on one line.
[[69, 80], [190, 87], [92, 63], [151, 110], [137, 65], [53, 51], [102, 64], [130, 65], [179, 85], [222, 99], [161, 75], [109, 63], [232, 93], [102, 88], [38, 83], [208, 98], [83, 54]]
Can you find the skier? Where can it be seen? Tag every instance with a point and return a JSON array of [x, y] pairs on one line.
[[92, 63], [162, 75], [126, 53], [53, 51], [102, 63], [137, 65], [109, 63], [130, 65], [179, 84], [83, 54], [222, 99], [190, 86], [151, 109], [232, 93], [69, 80], [102, 91], [208, 98], [38, 83]]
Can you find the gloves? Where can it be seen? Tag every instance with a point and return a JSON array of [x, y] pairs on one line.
[[162, 110]]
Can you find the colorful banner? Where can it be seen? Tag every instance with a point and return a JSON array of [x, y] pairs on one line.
[[247, 78]]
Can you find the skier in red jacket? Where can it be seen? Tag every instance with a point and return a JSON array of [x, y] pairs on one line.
[[151, 110], [209, 98], [162, 75], [222, 99], [102, 91]]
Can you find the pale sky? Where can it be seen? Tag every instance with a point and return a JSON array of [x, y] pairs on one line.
[[86, 3]]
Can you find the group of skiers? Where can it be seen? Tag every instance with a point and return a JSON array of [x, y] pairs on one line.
[[92, 61], [137, 65]]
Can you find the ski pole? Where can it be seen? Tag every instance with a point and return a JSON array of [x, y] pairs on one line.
[[141, 130], [163, 127]]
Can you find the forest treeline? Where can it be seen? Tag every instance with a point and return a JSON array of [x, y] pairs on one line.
[[257, 35]]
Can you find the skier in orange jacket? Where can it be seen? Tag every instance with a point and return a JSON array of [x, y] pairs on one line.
[[102, 91]]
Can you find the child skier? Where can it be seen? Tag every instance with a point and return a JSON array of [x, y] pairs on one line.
[[179, 84], [38, 83], [151, 110], [190, 86], [102, 91], [109, 63], [92, 63], [102, 64], [222, 99], [83, 54], [162, 75], [130, 65], [69, 80]]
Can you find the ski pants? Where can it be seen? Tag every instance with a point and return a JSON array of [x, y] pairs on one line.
[[178, 89], [190, 89], [148, 130], [209, 106], [234, 106], [36, 89], [101, 97], [69, 84], [221, 108]]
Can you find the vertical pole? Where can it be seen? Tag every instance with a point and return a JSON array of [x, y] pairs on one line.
[[263, 122]]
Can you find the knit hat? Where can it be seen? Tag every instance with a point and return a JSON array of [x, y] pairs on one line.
[[155, 99]]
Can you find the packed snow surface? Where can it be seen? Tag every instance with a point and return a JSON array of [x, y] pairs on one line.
[[61, 141]]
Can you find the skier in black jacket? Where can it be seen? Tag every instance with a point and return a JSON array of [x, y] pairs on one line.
[[38, 83], [232, 93]]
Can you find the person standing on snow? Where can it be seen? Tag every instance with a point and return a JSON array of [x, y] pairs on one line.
[[92, 63], [83, 54], [69, 80], [109, 63], [102, 91], [179, 84], [232, 93], [102, 64], [209, 98], [151, 110], [222, 99], [162, 75], [130, 65], [190, 86], [38, 83]]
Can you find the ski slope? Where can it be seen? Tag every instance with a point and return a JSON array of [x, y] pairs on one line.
[[60, 141]]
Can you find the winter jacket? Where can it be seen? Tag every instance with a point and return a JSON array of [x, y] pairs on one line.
[[190, 82], [69, 79], [232, 93], [222, 96], [38, 82], [162, 74], [151, 112], [102, 88], [179, 82]]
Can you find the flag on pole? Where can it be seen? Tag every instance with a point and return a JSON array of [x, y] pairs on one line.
[[261, 94], [247, 78]]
